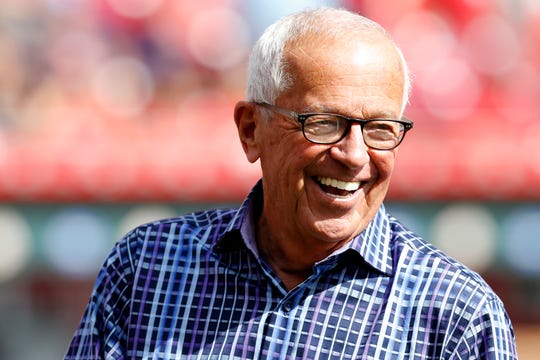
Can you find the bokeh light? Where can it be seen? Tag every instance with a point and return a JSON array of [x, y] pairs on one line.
[[423, 35], [466, 232], [75, 241], [492, 44], [123, 86], [446, 84], [521, 240], [135, 8], [451, 89], [218, 38], [143, 214], [15, 243]]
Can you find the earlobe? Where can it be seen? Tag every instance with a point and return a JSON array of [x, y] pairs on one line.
[[246, 124]]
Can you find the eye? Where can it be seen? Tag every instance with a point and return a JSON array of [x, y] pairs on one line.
[[383, 129], [322, 124]]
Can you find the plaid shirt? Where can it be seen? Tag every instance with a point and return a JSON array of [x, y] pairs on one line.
[[194, 288]]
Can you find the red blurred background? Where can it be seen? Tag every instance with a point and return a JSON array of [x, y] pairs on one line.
[[107, 105], [100, 102]]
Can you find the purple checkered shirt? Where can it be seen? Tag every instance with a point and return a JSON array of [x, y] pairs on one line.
[[193, 287]]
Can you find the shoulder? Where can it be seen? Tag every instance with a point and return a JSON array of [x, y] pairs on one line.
[[189, 227], [437, 271], [448, 295], [196, 231]]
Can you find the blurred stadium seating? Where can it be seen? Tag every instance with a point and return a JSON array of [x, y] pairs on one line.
[[114, 112]]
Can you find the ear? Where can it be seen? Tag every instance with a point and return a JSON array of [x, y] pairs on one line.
[[246, 123]]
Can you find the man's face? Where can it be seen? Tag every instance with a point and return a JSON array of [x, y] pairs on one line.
[[302, 180]]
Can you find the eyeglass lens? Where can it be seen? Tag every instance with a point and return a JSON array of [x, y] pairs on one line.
[[327, 129]]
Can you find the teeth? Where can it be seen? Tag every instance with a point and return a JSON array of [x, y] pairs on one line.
[[342, 185]]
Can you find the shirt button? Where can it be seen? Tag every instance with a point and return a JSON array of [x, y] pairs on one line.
[[287, 306]]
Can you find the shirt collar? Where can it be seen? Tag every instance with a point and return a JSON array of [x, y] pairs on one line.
[[243, 223], [373, 244]]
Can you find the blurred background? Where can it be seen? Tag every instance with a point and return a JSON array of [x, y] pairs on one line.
[[116, 112]]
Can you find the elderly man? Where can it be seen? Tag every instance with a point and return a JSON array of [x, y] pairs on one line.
[[311, 265]]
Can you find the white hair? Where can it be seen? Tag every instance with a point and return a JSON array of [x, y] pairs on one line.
[[268, 76]]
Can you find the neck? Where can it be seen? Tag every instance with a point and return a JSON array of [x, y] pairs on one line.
[[290, 258], [291, 269]]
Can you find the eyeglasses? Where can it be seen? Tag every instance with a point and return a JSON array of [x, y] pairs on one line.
[[323, 128]]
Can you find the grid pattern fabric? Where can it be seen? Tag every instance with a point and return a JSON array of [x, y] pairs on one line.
[[193, 287]]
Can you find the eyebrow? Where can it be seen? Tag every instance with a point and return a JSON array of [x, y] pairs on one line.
[[325, 109]]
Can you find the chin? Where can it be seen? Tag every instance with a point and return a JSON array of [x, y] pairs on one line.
[[336, 230]]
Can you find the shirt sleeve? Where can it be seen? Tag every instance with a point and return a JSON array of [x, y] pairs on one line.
[[102, 332], [489, 335]]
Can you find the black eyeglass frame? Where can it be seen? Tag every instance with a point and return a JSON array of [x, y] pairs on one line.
[[301, 118]]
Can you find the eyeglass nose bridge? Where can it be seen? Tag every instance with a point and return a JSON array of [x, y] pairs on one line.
[[349, 122]]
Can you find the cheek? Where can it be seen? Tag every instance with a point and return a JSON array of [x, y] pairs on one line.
[[285, 150], [383, 162], [286, 167], [278, 160]]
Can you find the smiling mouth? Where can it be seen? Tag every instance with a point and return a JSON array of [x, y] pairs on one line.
[[338, 188]]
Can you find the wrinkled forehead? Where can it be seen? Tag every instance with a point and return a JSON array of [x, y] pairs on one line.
[[371, 52]]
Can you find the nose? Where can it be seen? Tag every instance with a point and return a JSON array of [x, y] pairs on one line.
[[351, 150]]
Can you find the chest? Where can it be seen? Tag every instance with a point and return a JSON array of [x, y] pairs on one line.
[[213, 312]]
